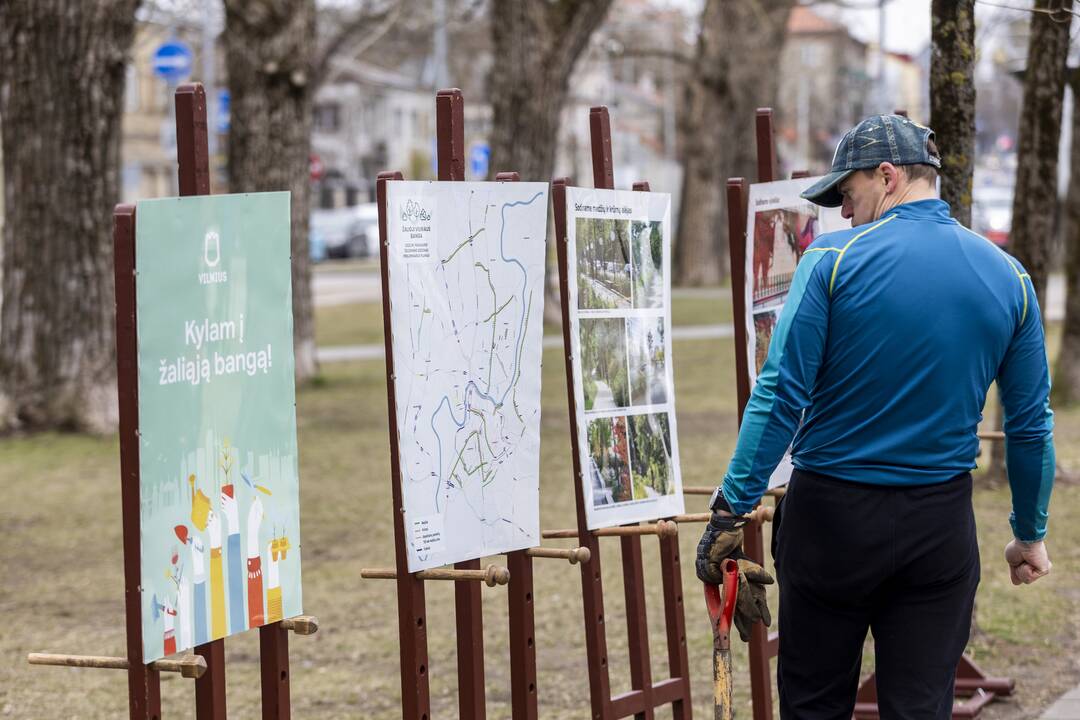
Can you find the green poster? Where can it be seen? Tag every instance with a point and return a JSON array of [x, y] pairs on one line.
[[219, 486]]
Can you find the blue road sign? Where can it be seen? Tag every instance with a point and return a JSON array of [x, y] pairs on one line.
[[223, 108], [479, 156], [172, 60]]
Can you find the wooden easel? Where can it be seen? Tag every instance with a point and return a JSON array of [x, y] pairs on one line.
[[645, 694], [207, 665], [412, 621]]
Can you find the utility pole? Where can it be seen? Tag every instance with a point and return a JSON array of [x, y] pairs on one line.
[[442, 70]]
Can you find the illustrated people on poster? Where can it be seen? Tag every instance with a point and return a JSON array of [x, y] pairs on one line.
[[198, 577], [217, 578], [183, 604], [169, 613], [274, 552], [254, 565], [236, 570]]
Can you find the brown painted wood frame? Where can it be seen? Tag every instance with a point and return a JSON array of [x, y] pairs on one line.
[[412, 621], [645, 695], [144, 697], [970, 679]]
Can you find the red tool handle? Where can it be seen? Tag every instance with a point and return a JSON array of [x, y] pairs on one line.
[[721, 609]]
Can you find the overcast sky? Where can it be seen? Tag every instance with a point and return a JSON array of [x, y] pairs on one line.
[[907, 22]]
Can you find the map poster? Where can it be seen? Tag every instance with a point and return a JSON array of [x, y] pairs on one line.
[[619, 265], [780, 226], [219, 488], [466, 269]]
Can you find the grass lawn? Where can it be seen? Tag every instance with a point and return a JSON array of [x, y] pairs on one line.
[[62, 589]]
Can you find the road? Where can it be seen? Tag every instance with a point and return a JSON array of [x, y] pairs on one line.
[[339, 287]]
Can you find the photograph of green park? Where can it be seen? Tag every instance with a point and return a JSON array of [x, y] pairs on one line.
[[647, 355], [647, 252], [603, 363], [603, 264], [609, 461], [650, 455]]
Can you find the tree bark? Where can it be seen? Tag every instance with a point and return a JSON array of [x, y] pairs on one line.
[[269, 53], [952, 99], [61, 97], [1067, 369], [535, 45], [734, 72], [1035, 199]]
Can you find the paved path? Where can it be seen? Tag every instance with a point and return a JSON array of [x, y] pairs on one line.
[[1066, 708], [345, 353], [343, 287]]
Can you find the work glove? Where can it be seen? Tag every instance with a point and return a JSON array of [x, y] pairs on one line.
[[723, 539], [751, 604]]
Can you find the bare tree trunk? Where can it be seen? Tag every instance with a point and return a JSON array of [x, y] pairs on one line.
[[952, 99], [734, 72], [1067, 369], [61, 96], [1035, 200], [269, 52], [535, 46]]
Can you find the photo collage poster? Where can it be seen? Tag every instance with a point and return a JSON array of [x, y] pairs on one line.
[[780, 225], [219, 484], [619, 265], [466, 270]]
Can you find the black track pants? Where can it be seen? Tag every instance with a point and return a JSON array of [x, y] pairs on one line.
[[900, 562]]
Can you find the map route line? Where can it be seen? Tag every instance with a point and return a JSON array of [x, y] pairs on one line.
[[471, 385], [464, 242]]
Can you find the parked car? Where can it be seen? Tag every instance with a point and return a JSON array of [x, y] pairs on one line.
[[991, 213], [347, 232]]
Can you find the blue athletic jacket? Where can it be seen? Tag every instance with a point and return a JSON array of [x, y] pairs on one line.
[[890, 337]]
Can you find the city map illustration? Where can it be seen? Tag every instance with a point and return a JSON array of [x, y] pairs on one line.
[[466, 290]]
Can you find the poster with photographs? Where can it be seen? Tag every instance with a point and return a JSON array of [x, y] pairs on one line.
[[780, 225], [619, 262]]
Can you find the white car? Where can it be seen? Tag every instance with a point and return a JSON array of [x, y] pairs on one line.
[[347, 232]]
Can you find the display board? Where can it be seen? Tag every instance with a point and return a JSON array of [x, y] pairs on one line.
[[219, 483], [466, 272], [780, 226], [619, 262]]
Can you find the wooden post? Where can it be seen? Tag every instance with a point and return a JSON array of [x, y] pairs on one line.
[[194, 179], [592, 586], [523, 683], [762, 647], [674, 614], [637, 623], [412, 616], [450, 143], [144, 695]]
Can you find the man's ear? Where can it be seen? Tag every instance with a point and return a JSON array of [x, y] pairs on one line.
[[891, 176]]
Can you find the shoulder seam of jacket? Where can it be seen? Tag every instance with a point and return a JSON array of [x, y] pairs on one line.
[[1019, 275], [836, 265]]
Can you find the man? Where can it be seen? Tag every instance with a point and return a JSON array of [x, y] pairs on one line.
[[878, 368]]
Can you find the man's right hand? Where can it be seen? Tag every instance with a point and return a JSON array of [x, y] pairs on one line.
[[1027, 561]]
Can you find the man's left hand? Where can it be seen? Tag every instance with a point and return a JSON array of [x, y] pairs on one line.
[[722, 538]]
